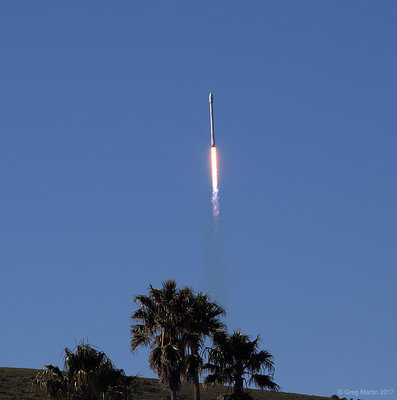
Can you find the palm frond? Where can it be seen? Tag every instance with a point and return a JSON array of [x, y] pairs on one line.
[[264, 382]]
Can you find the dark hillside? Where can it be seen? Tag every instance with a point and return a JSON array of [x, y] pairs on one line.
[[14, 385]]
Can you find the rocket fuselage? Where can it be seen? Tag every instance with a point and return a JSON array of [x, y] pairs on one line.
[[211, 100]]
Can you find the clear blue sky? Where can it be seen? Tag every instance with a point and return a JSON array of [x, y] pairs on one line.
[[105, 181]]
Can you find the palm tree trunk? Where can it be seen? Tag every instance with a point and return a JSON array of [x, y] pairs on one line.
[[196, 380], [238, 385], [196, 386], [173, 394]]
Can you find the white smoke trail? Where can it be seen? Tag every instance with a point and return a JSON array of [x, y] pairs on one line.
[[215, 203]]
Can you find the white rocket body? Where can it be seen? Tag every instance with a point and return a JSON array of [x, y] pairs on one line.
[[211, 100]]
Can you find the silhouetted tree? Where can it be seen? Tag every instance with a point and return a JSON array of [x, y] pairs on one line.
[[201, 320], [89, 375], [158, 322], [235, 359], [174, 322]]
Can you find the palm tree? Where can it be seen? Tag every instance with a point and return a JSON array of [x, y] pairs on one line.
[[50, 383], [235, 359], [89, 375], [201, 321], [167, 360], [174, 322], [158, 322]]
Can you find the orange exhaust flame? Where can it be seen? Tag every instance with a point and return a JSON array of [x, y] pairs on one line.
[[215, 190]]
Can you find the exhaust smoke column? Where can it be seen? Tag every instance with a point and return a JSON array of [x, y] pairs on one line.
[[214, 167]]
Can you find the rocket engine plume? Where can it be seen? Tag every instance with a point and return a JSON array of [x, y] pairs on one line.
[[215, 190]]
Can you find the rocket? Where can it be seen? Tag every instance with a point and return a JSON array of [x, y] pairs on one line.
[[214, 167], [211, 100]]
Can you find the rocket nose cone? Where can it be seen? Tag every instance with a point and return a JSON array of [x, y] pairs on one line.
[[211, 98]]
